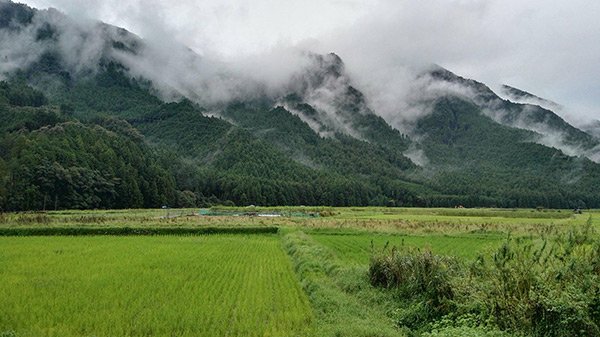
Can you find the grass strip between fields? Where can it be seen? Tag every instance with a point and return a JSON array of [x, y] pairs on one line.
[[126, 231], [343, 302]]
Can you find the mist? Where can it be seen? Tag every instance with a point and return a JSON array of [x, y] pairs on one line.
[[547, 47], [216, 52]]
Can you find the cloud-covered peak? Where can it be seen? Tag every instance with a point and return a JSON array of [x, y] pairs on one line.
[[522, 96]]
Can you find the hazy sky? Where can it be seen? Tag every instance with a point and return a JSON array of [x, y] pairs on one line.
[[548, 47]]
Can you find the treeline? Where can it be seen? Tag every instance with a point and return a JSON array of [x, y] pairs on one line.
[[71, 165], [50, 160]]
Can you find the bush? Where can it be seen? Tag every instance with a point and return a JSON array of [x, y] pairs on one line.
[[418, 275], [465, 325], [562, 313], [186, 199], [543, 288], [532, 287]]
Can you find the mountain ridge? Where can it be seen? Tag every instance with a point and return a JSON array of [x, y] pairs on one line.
[[313, 141]]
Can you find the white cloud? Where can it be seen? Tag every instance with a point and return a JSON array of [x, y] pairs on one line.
[[548, 47]]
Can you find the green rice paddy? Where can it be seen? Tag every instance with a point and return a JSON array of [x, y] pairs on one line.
[[357, 248], [150, 286]]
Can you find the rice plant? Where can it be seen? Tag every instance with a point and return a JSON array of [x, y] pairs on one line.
[[218, 285]]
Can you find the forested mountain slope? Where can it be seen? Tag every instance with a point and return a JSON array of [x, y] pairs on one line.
[[85, 125]]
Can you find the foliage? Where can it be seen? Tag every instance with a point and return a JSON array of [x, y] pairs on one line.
[[20, 94], [531, 287], [71, 165], [548, 288], [419, 275], [14, 15], [483, 163], [466, 331], [259, 153]]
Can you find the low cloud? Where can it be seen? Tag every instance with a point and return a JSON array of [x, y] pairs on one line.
[[240, 51], [548, 47], [79, 44], [545, 133]]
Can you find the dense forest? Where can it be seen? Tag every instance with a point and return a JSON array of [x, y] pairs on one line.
[[52, 157]]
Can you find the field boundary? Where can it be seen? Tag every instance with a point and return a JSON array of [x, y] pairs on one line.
[[131, 231]]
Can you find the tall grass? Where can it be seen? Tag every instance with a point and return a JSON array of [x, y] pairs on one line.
[[420, 276], [542, 287], [530, 286], [28, 218]]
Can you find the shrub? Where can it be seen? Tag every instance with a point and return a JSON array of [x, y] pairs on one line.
[[533, 287], [539, 287], [467, 331], [421, 276]]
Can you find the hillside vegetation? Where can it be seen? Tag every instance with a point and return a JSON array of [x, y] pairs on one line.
[[88, 136]]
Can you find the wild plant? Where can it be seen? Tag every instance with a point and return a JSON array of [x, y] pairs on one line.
[[421, 277], [529, 285]]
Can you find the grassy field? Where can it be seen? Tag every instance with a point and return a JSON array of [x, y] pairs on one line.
[[356, 248], [311, 279], [150, 286], [371, 219]]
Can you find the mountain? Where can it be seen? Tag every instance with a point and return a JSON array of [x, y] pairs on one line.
[[522, 96], [549, 128], [95, 117]]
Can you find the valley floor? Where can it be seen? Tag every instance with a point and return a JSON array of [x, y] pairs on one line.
[[309, 279]]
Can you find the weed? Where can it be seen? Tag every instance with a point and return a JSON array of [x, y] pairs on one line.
[[540, 287], [420, 277]]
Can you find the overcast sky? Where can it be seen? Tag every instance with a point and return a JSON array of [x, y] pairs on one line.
[[548, 47]]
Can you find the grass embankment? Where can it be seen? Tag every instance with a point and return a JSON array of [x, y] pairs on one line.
[[127, 231], [343, 302], [333, 270], [219, 285], [126, 218]]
